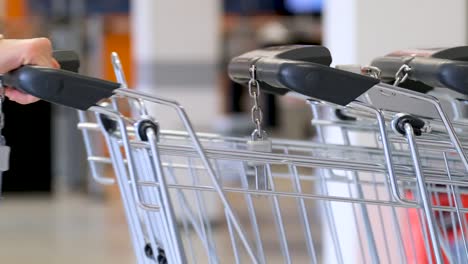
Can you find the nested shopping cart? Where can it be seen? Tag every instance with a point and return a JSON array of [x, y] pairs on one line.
[[429, 71], [399, 194]]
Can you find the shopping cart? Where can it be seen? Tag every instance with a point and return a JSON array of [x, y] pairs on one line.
[[430, 70], [270, 215]]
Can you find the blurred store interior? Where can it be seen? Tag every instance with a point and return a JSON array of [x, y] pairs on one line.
[[53, 212]]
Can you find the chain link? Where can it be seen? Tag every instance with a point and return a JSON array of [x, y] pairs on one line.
[[256, 112], [402, 74], [371, 71]]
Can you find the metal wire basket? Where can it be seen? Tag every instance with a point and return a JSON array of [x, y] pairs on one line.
[[397, 197]]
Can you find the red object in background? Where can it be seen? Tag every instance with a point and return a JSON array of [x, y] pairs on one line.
[[413, 238]]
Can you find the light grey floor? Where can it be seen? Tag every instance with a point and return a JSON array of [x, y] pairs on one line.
[[75, 229], [62, 230]]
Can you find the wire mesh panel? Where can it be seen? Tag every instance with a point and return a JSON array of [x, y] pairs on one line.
[[388, 187], [168, 179], [383, 181]]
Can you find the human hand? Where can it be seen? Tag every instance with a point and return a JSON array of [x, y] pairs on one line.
[[15, 53]]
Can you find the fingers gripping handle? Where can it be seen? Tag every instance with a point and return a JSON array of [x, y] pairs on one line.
[[60, 86]]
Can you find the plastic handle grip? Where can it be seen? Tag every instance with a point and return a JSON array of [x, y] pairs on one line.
[[434, 72], [67, 59], [307, 74], [441, 73], [60, 86], [239, 66]]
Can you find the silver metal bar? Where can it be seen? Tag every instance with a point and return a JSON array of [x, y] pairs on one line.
[[168, 208], [426, 202], [387, 151], [395, 223], [131, 213], [358, 229], [184, 204], [302, 211], [212, 154], [453, 225], [433, 176], [445, 243], [395, 165], [117, 156], [412, 250], [130, 165], [203, 218], [253, 217], [232, 236], [191, 250], [120, 75], [278, 219], [456, 200], [364, 213], [197, 145], [326, 206], [383, 230], [153, 221], [157, 221], [89, 152], [435, 102], [441, 220], [426, 236], [424, 141]]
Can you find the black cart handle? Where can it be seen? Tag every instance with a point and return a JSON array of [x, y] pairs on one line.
[[61, 86], [301, 69], [434, 72], [67, 59]]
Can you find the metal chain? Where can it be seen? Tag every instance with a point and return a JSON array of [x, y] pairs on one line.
[[256, 112], [371, 71], [402, 74]]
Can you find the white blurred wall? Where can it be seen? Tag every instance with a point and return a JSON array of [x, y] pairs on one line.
[[176, 49], [356, 31], [176, 30]]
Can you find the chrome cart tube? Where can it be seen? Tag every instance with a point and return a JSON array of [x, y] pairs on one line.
[[425, 199], [199, 149], [435, 102]]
